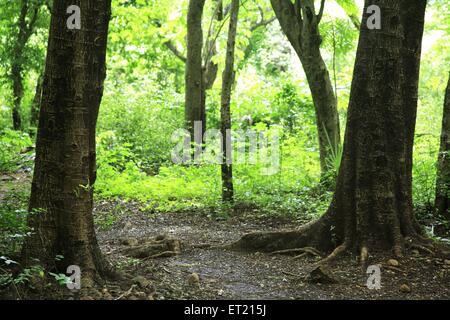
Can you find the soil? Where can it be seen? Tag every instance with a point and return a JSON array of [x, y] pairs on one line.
[[225, 274]]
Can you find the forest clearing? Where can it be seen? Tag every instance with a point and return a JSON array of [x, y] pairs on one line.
[[224, 150]]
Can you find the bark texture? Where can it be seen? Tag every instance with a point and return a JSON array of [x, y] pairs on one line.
[[372, 204], [300, 24], [225, 113], [194, 67], [65, 169], [442, 202]]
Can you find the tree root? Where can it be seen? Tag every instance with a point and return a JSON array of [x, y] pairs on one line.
[[315, 235], [336, 253], [161, 247], [304, 251]]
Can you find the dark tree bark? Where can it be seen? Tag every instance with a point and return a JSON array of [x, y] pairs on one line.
[[372, 204], [225, 113], [36, 104], [300, 24], [194, 67], [29, 11], [65, 169], [442, 201]]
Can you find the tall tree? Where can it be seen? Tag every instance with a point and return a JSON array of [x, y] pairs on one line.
[[300, 23], [65, 169], [25, 27], [36, 103], [194, 67], [227, 85], [442, 201], [372, 204]]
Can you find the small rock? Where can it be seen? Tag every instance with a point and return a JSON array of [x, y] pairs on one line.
[[141, 295], [141, 282], [415, 252], [194, 279], [447, 262], [322, 275], [150, 297], [405, 288], [393, 263], [129, 241], [127, 225]]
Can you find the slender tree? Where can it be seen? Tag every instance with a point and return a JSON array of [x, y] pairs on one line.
[[35, 105], [194, 66], [372, 204], [25, 25], [65, 169], [442, 201], [227, 85], [300, 23]]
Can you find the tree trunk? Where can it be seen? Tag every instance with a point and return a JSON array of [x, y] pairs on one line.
[[225, 113], [442, 202], [16, 75], [210, 68], [36, 104], [194, 68], [300, 23], [65, 169], [372, 204]]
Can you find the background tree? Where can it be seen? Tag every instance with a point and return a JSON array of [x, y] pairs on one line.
[[227, 85], [442, 201], [194, 65], [300, 23], [21, 21], [65, 169], [372, 204]]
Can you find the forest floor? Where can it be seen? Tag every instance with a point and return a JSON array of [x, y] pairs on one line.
[[204, 270], [225, 274]]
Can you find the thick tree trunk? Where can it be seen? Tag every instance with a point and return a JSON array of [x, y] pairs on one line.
[[225, 113], [36, 104], [300, 23], [442, 202], [372, 204], [65, 169], [194, 67]]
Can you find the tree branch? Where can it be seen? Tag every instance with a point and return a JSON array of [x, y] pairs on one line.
[[169, 45]]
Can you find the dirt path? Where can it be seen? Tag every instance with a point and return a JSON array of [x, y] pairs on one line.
[[235, 275]]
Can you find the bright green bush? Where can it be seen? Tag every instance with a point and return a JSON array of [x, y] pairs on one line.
[[11, 144]]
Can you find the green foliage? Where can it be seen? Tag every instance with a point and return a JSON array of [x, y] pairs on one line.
[[11, 144], [13, 217]]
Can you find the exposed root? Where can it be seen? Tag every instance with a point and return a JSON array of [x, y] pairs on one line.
[[364, 256], [421, 248], [385, 266], [304, 251], [322, 274], [127, 293], [157, 248], [315, 234], [336, 252]]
